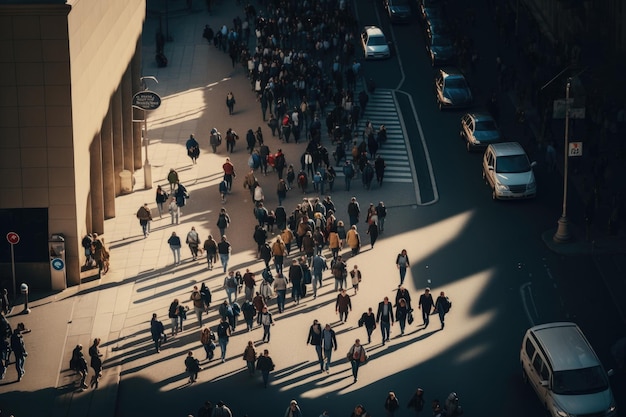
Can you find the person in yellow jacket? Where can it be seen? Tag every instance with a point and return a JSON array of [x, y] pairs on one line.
[[279, 250], [288, 237], [353, 240], [334, 243]]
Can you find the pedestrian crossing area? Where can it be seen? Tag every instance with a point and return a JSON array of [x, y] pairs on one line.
[[382, 109]]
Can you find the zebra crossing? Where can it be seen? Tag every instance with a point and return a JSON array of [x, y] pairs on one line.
[[381, 109]]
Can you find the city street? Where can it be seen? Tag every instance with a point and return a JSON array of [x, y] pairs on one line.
[[488, 257]]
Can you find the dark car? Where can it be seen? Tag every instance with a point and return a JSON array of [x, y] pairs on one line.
[[430, 9], [451, 89], [398, 10], [437, 25], [479, 130], [440, 49]]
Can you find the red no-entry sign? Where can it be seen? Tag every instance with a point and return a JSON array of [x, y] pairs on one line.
[[13, 238]]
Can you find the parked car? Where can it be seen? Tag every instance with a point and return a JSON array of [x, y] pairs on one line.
[[452, 89], [398, 10], [437, 25], [440, 49], [508, 172], [560, 365], [479, 130], [374, 43], [429, 9]]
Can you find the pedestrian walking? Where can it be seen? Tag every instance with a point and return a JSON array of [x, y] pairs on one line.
[[181, 313], [210, 247], [354, 211], [174, 211], [222, 410], [174, 242], [442, 306], [207, 339], [340, 273], [181, 195], [193, 148], [355, 277], [249, 283], [391, 404], [402, 313], [384, 316], [223, 250], [280, 286], [417, 402], [343, 305], [279, 251], [265, 364], [230, 286], [319, 266], [172, 313], [402, 263], [293, 410], [145, 217], [249, 355], [265, 319], [223, 335], [381, 212], [353, 239], [5, 344], [249, 312], [295, 277], [78, 364], [230, 103], [372, 231], [229, 173], [315, 339], [172, 179], [95, 362], [158, 332], [193, 241], [161, 199], [348, 173], [379, 167], [223, 221], [231, 139], [426, 304], [215, 139], [329, 343], [368, 320], [192, 366], [357, 356], [198, 304]]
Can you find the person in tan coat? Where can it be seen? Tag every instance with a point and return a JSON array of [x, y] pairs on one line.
[[279, 251], [353, 240], [287, 237], [334, 243]]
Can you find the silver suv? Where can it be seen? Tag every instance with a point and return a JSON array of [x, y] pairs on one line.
[[509, 173]]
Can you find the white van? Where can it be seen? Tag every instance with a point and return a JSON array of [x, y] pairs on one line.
[[509, 173], [560, 365]]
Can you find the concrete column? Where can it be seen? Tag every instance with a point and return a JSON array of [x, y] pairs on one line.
[[127, 120], [137, 115], [96, 185], [118, 138], [108, 172]]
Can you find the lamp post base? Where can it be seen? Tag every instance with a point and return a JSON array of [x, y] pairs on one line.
[[147, 175], [562, 234]]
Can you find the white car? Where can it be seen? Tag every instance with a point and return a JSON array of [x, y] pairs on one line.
[[508, 172], [374, 43]]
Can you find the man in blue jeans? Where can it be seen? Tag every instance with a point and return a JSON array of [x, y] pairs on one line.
[[329, 342], [230, 286], [223, 334], [223, 249], [384, 316]]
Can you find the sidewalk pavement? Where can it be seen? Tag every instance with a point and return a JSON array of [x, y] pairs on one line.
[[142, 279]]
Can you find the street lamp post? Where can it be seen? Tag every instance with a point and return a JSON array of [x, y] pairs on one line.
[[146, 100], [562, 234]]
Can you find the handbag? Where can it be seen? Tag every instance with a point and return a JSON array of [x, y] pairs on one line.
[[409, 318]]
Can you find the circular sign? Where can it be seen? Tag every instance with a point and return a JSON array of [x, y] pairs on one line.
[[58, 264], [13, 238], [147, 100]]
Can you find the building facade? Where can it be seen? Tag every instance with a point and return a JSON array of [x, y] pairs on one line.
[[68, 72]]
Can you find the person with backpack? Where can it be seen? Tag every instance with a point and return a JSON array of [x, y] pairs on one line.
[[303, 181], [79, 364], [230, 286], [265, 364], [442, 306], [231, 138], [223, 221], [193, 241], [193, 148], [215, 139], [230, 102], [249, 355], [192, 366], [145, 217], [207, 338]]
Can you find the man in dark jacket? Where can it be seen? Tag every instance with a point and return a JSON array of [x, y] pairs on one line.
[[384, 316], [315, 339], [158, 332], [295, 277]]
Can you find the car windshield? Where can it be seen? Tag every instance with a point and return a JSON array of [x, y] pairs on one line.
[[580, 381], [455, 82], [512, 164], [376, 41], [485, 125]]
